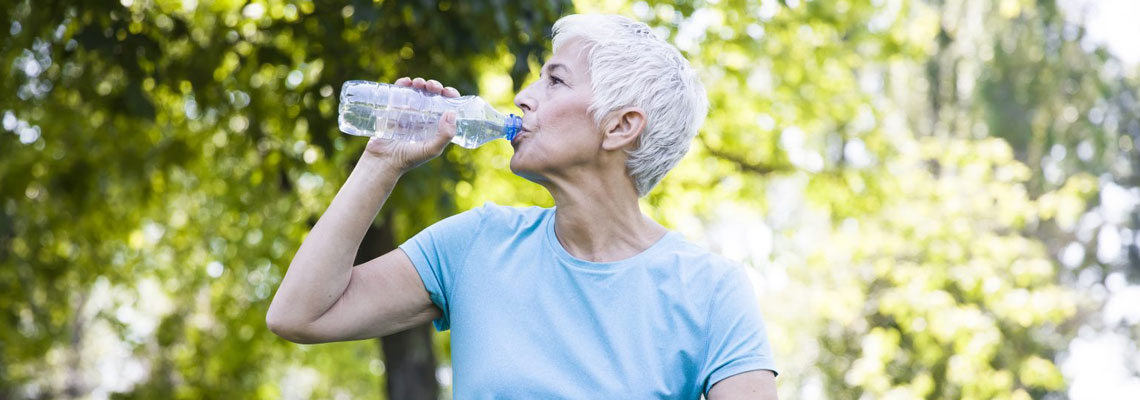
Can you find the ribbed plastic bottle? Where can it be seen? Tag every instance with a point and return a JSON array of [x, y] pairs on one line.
[[404, 113]]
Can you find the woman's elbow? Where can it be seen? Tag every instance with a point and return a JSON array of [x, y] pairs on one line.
[[286, 329]]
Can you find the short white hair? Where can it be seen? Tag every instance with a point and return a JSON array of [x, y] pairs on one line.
[[631, 67]]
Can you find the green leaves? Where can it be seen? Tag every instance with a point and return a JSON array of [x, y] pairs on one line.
[[193, 144], [909, 171], [911, 235]]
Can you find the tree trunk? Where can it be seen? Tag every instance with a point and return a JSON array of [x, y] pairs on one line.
[[409, 360], [411, 364]]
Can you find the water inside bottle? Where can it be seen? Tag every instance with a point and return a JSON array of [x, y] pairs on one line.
[[412, 125], [359, 118], [472, 133]]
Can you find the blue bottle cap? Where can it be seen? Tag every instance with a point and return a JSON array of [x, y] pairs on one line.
[[512, 126]]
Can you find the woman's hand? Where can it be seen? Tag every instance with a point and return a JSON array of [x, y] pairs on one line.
[[403, 156]]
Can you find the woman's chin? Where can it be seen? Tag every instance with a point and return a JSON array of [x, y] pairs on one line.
[[516, 164], [521, 168]]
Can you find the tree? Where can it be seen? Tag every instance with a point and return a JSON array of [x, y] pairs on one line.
[[886, 122], [187, 148], [906, 179]]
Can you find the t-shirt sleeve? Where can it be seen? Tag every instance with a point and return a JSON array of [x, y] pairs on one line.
[[737, 341], [439, 252]]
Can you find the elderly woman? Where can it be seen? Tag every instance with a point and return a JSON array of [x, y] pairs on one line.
[[590, 299]]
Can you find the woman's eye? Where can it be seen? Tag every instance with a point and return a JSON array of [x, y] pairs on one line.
[[554, 80]]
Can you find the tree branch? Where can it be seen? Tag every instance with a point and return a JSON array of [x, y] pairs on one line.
[[744, 165]]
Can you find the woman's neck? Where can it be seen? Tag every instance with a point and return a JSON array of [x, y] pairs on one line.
[[599, 220]]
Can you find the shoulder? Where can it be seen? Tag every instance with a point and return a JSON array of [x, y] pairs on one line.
[[701, 265], [508, 218], [704, 279]]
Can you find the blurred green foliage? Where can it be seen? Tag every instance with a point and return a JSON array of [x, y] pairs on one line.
[[896, 170], [192, 145]]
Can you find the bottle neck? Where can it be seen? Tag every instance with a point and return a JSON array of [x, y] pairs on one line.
[[511, 126]]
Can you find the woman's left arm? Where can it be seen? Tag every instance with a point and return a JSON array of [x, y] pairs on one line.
[[758, 384]]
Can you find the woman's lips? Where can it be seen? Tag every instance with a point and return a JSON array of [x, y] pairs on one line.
[[518, 138]]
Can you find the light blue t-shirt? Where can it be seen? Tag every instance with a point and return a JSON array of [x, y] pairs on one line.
[[528, 320]]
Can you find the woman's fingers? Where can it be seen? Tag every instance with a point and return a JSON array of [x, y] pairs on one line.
[[430, 85]]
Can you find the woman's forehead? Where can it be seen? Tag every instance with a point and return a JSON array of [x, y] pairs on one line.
[[571, 57]]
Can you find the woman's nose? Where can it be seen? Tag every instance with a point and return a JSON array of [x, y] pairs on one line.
[[523, 100]]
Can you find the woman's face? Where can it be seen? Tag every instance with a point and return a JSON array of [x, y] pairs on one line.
[[558, 135]]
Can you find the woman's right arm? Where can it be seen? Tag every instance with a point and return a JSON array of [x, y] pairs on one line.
[[323, 297]]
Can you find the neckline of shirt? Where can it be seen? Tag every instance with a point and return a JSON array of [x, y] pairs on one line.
[[606, 266]]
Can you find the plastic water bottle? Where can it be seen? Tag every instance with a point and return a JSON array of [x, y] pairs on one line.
[[404, 113]]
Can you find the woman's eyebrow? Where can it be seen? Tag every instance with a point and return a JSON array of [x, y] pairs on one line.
[[552, 67]]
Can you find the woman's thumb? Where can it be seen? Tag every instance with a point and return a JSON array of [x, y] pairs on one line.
[[447, 128]]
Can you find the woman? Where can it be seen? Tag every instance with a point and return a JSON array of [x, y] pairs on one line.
[[589, 299]]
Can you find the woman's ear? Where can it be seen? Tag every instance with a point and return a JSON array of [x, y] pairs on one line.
[[623, 129]]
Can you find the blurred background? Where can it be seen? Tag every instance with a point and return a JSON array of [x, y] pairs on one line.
[[936, 199]]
